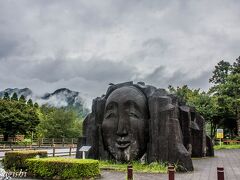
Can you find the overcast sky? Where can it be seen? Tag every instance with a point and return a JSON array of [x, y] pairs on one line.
[[85, 45]]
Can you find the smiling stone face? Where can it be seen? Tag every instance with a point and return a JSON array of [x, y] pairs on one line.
[[124, 127]]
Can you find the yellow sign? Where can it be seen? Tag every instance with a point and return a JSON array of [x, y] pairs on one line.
[[220, 133]]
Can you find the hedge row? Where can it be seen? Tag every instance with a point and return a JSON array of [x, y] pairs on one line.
[[63, 168], [15, 160]]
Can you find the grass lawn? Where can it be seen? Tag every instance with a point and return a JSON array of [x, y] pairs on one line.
[[137, 167], [227, 146]]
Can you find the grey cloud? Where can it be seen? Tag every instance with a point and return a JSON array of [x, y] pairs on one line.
[[6, 47], [161, 78], [156, 77], [201, 80], [52, 70], [155, 46], [84, 45]]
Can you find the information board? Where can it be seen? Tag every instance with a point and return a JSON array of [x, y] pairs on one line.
[[85, 148], [220, 133]]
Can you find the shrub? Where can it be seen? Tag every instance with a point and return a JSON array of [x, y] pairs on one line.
[[24, 142], [64, 168], [15, 160]]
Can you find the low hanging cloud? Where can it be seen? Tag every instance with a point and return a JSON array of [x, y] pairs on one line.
[[52, 70], [84, 45]]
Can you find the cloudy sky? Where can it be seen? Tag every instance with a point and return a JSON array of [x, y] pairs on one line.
[[84, 45]]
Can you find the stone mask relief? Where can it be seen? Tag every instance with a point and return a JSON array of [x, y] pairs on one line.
[[133, 120], [125, 124]]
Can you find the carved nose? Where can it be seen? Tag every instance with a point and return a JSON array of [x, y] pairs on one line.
[[122, 130]]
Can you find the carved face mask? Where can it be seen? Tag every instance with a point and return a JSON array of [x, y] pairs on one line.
[[125, 128]]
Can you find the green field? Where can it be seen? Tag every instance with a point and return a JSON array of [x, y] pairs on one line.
[[228, 146]]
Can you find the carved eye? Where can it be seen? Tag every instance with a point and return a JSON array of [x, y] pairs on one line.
[[110, 115], [131, 114]]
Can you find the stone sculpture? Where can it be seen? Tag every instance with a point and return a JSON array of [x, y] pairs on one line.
[[134, 121], [124, 127]]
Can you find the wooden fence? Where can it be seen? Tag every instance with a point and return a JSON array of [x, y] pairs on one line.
[[42, 142], [52, 151]]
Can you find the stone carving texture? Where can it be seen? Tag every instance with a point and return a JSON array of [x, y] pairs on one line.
[[134, 121]]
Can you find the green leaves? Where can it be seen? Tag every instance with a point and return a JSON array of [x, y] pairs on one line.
[[63, 168], [29, 102], [6, 96], [14, 97], [202, 101], [16, 117], [59, 123], [16, 159], [220, 73], [226, 91], [22, 99]]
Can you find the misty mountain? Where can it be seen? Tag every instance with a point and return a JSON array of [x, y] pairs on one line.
[[60, 98], [27, 93]]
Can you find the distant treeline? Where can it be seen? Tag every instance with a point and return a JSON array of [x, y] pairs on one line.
[[220, 106], [18, 116]]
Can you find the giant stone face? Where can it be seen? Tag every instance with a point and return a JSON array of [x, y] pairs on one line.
[[125, 124], [133, 120]]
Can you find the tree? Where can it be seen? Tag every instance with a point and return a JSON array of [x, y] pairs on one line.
[[14, 97], [220, 73], [16, 117], [226, 90], [229, 97], [22, 99], [30, 102], [36, 105], [59, 123], [236, 66], [202, 101], [6, 96], [235, 86]]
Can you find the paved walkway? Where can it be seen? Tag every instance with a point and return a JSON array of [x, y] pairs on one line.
[[204, 169]]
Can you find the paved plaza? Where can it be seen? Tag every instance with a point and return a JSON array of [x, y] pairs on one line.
[[205, 169]]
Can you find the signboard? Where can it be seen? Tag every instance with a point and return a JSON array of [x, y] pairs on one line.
[[85, 148], [220, 133]]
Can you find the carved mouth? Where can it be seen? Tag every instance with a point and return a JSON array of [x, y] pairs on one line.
[[122, 144]]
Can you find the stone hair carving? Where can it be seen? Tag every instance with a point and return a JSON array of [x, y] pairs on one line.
[[134, 121]]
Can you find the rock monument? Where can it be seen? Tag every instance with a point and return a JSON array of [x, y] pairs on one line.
[[138, 121]]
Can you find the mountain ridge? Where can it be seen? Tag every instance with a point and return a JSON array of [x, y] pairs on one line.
[[62, 97]]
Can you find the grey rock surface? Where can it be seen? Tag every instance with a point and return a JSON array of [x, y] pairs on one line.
[[135, 120]]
